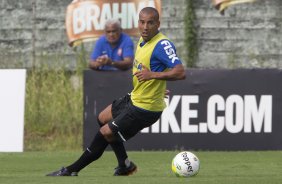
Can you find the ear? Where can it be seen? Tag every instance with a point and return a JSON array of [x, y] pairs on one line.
[[159, 24]]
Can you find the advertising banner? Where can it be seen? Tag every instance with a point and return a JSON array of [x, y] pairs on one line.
[[85, 19], [210, 110], [12, 95]]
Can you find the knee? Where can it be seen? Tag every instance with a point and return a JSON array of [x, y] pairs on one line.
[[107, 133], [101, 120]]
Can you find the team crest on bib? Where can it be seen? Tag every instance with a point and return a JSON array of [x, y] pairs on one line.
[[137, 65]]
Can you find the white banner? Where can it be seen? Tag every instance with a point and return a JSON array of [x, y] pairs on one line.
[[12, 98]]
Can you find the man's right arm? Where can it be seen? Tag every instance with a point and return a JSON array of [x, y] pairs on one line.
[[96, 53]]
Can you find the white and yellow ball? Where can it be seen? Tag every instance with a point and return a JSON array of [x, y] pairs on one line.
[[185, 164]]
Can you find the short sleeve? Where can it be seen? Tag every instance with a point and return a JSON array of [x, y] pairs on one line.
[[165, 52]]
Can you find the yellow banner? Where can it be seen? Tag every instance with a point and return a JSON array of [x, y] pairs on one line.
[[85, 19], [221, 5]]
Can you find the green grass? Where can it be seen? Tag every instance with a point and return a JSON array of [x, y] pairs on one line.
[[153, 167]]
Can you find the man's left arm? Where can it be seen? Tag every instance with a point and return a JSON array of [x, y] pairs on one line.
[[125, 64], [176, 73], [165, 53]]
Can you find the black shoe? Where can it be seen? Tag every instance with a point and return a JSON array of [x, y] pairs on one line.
[[62, 172], [125, 171]]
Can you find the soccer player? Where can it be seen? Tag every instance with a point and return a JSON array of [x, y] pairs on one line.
[[155, 62]]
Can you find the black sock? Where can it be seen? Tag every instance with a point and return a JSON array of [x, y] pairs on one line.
[[120, 152], [92, 153], [118, 148]]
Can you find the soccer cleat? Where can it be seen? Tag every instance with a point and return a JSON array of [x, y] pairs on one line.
[[62, 172], [125, 171]]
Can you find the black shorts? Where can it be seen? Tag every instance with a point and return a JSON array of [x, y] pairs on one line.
[[128, 119]]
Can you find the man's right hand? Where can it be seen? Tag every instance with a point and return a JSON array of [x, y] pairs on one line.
[[95, 65]]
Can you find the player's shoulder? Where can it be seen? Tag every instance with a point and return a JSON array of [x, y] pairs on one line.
[[165, 51], [165, 43], [165, 46]]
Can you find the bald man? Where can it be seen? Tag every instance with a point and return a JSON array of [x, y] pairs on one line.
[[155, 62]]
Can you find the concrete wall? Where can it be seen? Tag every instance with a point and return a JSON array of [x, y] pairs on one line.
[[247, 36]]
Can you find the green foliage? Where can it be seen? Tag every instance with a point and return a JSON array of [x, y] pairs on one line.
[[255, 167], [54, 107], [190, 34]]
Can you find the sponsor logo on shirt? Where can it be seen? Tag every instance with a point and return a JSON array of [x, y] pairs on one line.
[[119, 52], [170, 52], [104, 52]]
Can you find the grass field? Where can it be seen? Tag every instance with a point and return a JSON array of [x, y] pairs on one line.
[[153, 167]]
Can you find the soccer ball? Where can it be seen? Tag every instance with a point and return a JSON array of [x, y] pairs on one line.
[[185, 164]]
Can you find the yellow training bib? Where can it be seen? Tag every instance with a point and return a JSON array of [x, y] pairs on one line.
[[148, 95]]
